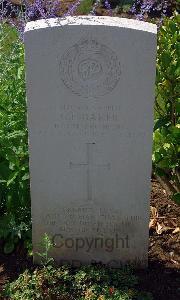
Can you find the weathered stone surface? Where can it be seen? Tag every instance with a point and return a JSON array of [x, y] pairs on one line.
[[90, 90]]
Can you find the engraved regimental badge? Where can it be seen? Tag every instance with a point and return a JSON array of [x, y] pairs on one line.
[[89, 68]]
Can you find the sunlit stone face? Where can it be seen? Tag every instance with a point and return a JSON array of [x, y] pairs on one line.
[[90, 91]]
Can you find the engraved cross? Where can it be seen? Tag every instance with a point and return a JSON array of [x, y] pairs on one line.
[[90, 166]]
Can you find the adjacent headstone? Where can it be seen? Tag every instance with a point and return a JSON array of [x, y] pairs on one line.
[[90, 91]]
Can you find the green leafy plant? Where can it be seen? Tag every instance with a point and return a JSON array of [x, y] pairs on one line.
[[14, 171], [46, 246], [167, 108], [85, 283], [85, 7]]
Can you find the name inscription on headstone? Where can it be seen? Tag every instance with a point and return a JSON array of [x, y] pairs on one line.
[[85, 120]]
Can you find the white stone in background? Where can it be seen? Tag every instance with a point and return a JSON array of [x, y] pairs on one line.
[[90, 91]]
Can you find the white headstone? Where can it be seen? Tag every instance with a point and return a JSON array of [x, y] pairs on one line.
[[90, 91]]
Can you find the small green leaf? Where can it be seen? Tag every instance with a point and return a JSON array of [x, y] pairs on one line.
[[177, 72], [176, 132], [26, 176], [160, 123], [164, 163], [12, 178], [176, 198], [157, 157], [178, 107], [166, 59], [173, 27], [160, 171], [20, 71]]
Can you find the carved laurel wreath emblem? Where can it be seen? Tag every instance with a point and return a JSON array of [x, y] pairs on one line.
[[90, 69]]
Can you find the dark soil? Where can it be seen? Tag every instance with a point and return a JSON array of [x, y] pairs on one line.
[[162, 278]]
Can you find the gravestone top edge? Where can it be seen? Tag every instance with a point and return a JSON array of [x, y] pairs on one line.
[[92, 20]]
